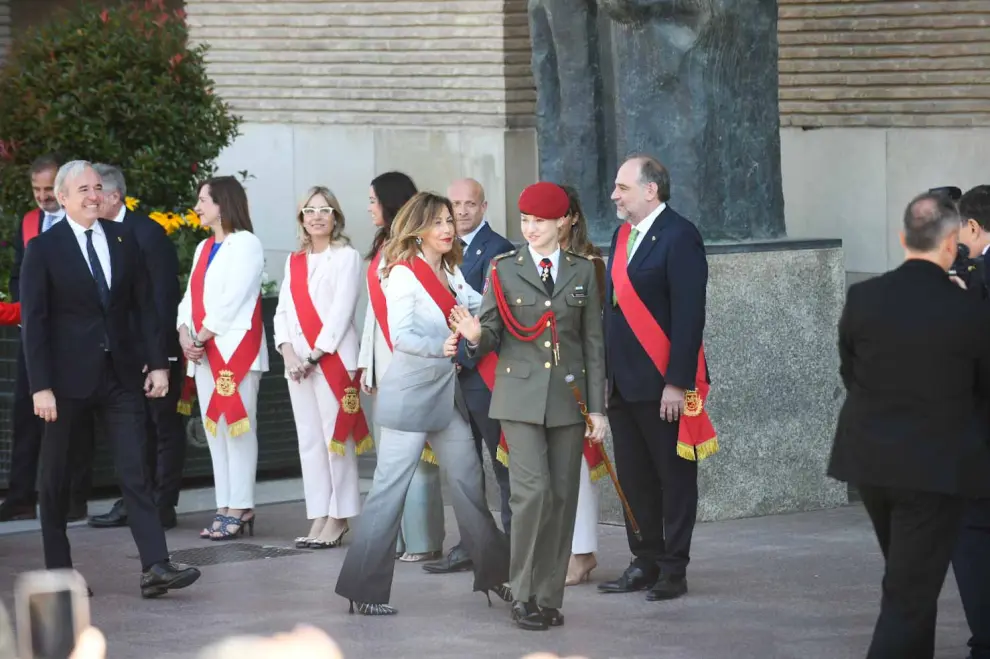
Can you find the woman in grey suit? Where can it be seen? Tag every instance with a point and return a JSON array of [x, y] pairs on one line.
[[418, 404]]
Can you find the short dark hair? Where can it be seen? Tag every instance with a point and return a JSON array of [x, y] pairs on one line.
[[45, 163], [393, 190], [229, 195], [928, 219], [652, 170], [975, 205]]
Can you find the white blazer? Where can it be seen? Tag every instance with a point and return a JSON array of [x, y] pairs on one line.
[[375, 355], [230, 293], [415, 322], [334, 286]]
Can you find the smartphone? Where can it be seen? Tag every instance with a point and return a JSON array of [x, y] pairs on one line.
[[52, 608]]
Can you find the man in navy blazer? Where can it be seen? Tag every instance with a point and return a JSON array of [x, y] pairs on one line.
[[166, 436], [480, 244], [668, 270]]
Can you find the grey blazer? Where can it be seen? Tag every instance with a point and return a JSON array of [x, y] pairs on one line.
[[418, 391]]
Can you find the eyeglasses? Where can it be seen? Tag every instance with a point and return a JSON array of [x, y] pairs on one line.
[[310, 211]]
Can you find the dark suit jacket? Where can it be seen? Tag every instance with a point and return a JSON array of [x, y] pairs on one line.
[[914, 354], [487, 244], [66, 328], [15, 272], [669, 272], [162, 262]]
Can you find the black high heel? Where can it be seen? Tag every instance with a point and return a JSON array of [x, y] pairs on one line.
[[501, 591], [366, 609]]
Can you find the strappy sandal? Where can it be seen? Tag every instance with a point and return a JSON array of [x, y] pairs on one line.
[[208, 531], [316, 543], [239, 522]]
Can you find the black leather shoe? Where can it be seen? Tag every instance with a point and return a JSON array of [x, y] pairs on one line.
[[632, 580], [12, 511], [553, 617], [667, 587], [116, 517], [457, 560], [163, 577], [528, 616], [167, 516], [78, 511]]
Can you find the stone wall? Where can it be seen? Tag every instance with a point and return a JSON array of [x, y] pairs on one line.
[[891, 64], [4, 29], [428, 63]]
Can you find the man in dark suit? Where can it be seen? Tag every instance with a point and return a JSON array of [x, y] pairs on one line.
[[27, 428], [82, 283], [912, 434], [971, 559], [668, 270], [480, 244], [166, 435]]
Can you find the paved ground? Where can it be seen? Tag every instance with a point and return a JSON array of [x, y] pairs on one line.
[[802, 586]]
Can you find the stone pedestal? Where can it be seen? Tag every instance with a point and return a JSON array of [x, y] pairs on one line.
[[773, 310]]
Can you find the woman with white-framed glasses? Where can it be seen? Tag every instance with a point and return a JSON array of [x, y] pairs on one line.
[[318, 340]]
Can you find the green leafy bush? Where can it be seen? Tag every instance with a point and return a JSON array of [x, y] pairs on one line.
[[118, 85]]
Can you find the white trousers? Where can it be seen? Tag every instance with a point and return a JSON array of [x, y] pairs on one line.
[[330, 481], [235, 459], [585, 539]]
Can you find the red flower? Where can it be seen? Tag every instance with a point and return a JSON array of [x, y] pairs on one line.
[[194, 168], [104, 16]]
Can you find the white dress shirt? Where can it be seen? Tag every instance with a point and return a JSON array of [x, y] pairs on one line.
[[470, 237], [643, 228], [120, 214], [554, 261], [99, 244], [48, 220]]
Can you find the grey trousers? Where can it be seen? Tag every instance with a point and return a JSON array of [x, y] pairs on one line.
[[421, 530], [544, 477], [366, 575]]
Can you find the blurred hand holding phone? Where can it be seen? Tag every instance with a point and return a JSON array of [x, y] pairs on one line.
[[52, 611]]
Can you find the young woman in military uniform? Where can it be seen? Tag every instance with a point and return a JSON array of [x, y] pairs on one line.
[[542, 312]]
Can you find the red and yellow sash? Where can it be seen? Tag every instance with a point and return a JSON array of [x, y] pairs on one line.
[[31, 225], [350, 418], [376, 296], [696, 438], [592, 454], [227, 375]]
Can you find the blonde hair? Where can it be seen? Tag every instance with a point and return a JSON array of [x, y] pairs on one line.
[[337, 236], [414, 219]]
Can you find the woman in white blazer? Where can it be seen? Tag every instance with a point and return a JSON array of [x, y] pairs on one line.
[[315, 333], [223, 340], [418, 405], [422, 530]]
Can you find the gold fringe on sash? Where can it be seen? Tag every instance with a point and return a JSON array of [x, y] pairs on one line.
[[239, 427], [703, 450], [184, 407], [339, 448], [365, 445], [502, 456], [428, 456], [211, 426], [598, 472]]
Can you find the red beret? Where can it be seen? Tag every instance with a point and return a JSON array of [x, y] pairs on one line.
[[544, 200]]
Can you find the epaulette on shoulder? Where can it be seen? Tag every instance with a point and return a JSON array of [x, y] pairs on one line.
[[505, 255], [586, 257]]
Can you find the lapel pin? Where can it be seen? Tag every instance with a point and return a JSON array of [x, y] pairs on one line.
[[654, 238], [479, 252], [119, 239]]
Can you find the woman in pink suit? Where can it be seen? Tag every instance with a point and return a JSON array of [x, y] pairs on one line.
[[318, 340]]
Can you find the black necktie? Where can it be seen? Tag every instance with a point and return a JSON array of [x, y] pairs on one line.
[[94, 263], [545, 275], [463, 244]]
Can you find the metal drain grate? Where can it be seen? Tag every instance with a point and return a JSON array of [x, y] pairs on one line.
[[237, 552]]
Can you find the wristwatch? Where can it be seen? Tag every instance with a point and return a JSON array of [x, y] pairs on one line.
[[314, 362], [197, 343]]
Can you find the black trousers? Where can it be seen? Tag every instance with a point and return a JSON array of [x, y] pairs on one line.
[[661, 487], [120, 411], [166, 443], [27, 431], [917, 532], [971, 565], [487, 432]]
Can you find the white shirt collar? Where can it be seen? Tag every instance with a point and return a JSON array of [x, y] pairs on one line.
[[60, 213], [120, 214], [80, 230], [647, 222], [554, 258], [470, 237]]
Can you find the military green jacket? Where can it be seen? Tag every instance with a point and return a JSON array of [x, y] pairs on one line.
[[528, 386]]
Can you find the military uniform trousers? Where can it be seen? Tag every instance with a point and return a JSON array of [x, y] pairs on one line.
[[330, 481], [544, 476], [366, 575]]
